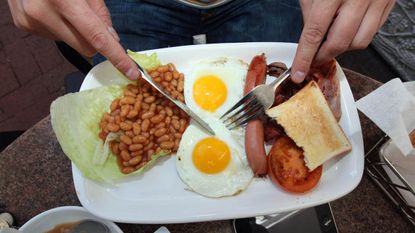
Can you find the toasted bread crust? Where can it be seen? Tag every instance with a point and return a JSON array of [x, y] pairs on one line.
[[308, 120]]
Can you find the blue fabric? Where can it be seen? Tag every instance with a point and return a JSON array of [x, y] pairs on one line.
[[150, 24]]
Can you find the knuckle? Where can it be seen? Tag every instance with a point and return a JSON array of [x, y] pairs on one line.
[[21, 22], [61, 5], [102, 9], [342, 45], [313, 35], [360, 44], [99, 40], [87, 51], [303, 62], [338, 47], [21, 19], [122, 64], [31, 10], [104, 13], [90, 53]]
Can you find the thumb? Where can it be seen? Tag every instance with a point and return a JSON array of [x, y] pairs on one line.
[[301, 61], [300, 67]]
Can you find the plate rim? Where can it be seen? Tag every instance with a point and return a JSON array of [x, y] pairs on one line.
[[353, 114]]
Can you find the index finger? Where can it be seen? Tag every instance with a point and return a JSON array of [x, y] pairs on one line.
[[95, 31], [316, 25]]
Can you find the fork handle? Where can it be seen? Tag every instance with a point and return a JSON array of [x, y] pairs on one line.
[[280, 79]]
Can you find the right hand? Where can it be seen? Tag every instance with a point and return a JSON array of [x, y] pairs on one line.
[[349, 25], [85, 25]]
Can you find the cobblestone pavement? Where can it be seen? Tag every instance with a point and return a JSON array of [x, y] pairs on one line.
[[32, 73]]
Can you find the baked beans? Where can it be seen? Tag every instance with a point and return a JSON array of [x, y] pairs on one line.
[[146, 121]]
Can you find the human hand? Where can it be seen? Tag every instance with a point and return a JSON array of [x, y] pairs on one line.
[[349, 24], [85, 25]]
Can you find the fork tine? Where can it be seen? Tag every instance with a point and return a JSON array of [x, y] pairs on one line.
[[245, 117], [239, 103], [258, 113], [246, 114], [252, 102]]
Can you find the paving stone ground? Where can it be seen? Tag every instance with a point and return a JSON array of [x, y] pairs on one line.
[[32, 73]]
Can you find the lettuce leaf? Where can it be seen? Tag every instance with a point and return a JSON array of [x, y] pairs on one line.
[[75, 120], [102, 150], [145, 61]]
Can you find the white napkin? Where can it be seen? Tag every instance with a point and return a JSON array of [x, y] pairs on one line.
[[392, 108]]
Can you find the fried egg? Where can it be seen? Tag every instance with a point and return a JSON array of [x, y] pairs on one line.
[[213, 86], [213, 166]]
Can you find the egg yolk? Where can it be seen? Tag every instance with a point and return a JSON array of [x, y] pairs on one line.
[[211, 155], [209, 92]]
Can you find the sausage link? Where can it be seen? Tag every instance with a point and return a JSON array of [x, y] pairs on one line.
[[254, 134]]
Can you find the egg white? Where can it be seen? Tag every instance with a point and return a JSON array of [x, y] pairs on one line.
[[232, 180], [231, 71]]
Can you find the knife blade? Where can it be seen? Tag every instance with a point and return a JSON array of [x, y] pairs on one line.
[[178, 103]]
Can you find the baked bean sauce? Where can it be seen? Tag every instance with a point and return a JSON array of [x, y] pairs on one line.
[[146, 121], [63, 228]]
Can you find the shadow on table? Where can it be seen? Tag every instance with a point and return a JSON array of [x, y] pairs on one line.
[[8, 137]]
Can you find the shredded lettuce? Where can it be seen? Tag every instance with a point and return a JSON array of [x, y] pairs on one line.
[[145, 61], [103, 149], [75, 120]]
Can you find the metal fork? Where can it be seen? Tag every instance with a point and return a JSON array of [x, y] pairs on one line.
[[254, 103]]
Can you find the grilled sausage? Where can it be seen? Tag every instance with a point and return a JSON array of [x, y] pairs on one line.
[[254, 135]]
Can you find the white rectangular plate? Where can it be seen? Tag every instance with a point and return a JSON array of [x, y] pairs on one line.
[[159, 196]]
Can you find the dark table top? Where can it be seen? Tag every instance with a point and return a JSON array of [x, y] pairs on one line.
[[35, 176]]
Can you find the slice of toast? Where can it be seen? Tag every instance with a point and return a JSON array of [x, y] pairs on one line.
[[308, 120]]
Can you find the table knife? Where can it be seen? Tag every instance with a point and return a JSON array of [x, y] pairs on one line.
[[178, 103]]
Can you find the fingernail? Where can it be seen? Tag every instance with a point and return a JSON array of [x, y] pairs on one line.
[[114, 33], [298, 77], [132, 74]]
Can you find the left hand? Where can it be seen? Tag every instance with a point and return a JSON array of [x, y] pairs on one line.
[[349, 24], [85, 25]]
